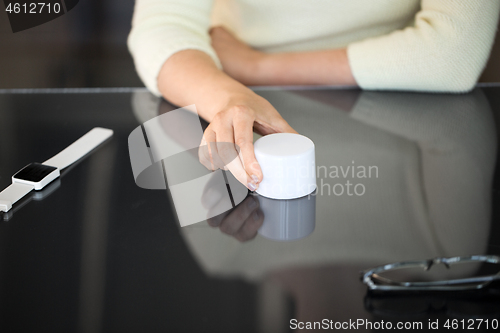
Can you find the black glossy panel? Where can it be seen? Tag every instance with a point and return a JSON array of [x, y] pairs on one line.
[[97, 253]]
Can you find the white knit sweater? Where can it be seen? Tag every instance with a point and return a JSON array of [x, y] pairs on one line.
[[427, 45]]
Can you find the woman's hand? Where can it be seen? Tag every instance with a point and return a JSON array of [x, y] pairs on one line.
[[228, 141], [239, 60]]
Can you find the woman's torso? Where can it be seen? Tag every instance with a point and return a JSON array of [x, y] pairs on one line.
[[297, 25]]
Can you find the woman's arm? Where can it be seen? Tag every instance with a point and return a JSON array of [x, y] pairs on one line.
[[171, 48], [161, 28], [251, 67], [328, 67], [444, 51]]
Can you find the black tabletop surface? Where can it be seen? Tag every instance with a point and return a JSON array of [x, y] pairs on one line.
[[401, 176]]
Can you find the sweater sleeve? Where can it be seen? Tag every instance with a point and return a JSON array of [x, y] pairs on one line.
[[161, 28], [444, 51]]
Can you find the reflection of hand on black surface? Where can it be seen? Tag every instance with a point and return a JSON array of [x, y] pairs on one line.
[[242, 222], [213, 195]]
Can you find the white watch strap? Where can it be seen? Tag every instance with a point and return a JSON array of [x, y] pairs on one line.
[[12, 194], [80, 148]]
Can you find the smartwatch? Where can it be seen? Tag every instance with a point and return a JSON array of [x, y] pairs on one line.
[[36, 176]]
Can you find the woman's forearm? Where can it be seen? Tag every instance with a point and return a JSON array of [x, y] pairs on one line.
[[191, 77], [328, 67], [254, 67]]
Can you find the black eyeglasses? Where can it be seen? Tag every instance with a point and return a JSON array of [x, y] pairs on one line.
[[374, 281]]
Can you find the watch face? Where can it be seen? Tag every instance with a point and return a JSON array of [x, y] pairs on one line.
[[34, 172]]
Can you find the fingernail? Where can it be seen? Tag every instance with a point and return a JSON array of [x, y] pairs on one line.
[[255, 216], [252, 187], [252, 204], [255, 178]]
